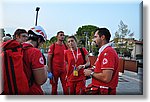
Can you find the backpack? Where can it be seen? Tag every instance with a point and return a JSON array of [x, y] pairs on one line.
[[29, 75], [14, 77]]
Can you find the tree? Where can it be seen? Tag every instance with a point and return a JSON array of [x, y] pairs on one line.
[[85, 35], [2, 32], [121, 41], [46, 45], [53, 39]]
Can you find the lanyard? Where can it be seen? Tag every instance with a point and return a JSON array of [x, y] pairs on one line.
[[75, 57]]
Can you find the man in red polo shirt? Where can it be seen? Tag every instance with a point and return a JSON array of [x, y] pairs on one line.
[[56, 63], [105, 74]]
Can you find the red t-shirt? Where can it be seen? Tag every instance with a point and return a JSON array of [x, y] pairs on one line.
[[33, 60], [69, 58], [108, 59], [58, 55]]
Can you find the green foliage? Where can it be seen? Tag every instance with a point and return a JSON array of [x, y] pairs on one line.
[[121, 41], [82, 32], [95, 51], [53, 39], [123, 30], [49, 42], [86, 28]]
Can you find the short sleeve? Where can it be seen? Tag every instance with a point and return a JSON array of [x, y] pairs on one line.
[[37, 59], [51, 49], [108, 60]]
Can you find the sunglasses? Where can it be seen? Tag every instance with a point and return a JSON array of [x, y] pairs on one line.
[[24, 35], [62, 35]]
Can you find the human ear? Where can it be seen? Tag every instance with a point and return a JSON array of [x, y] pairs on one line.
[[103, 37]]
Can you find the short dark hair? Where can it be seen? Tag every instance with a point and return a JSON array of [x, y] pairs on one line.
[[73, 38], [59, 32], [19, 31], [104, 31]]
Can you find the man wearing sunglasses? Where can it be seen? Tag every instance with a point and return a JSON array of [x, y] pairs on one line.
[[56, 63]]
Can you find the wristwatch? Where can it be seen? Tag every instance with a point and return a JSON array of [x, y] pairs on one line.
[[91, 74]]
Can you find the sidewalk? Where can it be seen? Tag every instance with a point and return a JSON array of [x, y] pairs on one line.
[[130, 83]]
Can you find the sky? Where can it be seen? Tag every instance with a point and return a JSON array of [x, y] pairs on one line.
[[68, 16], [11, 23]]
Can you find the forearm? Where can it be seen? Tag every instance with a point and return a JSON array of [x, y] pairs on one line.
[[104, 76], [87, 64], [99, 76], [87, 61]]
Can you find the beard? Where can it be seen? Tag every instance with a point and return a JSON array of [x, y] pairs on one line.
[[96, 45], [61, 39]]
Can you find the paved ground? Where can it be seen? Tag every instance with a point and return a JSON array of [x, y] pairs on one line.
[[130, 83]]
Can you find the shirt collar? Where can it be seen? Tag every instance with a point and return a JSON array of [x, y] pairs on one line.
[[103, 47], [29, 43]]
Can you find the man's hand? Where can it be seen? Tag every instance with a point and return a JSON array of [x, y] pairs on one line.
[[87, 72]]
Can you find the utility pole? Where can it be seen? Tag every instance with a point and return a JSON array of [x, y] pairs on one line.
[[37, 9], [86, 39]]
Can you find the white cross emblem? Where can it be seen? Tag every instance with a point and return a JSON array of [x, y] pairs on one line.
[[41, 60], [105, 61]]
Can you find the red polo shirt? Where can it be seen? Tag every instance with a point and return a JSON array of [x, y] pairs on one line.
[[108, 59], [58, 59], [33, 60], [69, 58]]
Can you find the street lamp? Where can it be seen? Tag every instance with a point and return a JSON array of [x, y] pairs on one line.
[[86, 39], [37, 9]]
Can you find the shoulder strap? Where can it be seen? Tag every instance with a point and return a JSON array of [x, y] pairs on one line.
[[53, 50], [31, 79], [52, 56], [83, 55], [7, 73], [65, 45], [13, 75], [12, 85], [44, 59]]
